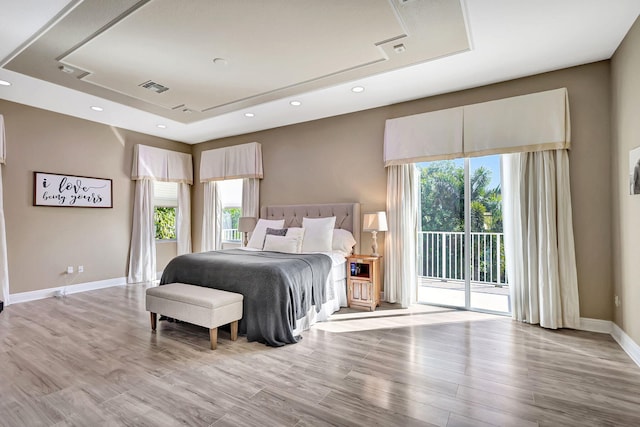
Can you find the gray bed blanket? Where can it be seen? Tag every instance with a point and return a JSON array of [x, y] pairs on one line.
[[278, 288]]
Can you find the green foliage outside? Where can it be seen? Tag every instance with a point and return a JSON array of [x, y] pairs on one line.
[[442, 210], [233, 215], [165, 220], [442, 199]]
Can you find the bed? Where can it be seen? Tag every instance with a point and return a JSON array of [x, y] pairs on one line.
[[284, 294]]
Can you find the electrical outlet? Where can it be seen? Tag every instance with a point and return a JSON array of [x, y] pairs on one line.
[[70, 269], [81, 269], [616, 300]]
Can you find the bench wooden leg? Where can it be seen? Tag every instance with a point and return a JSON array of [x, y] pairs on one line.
[[153, 321], [234, 330], [213, 336]]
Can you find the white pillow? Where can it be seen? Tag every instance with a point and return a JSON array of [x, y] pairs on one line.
[[318, 234], [298, 233], [257, 237], [287, 244], [343, 241]]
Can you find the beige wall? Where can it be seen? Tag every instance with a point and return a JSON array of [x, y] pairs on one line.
[[339, 159], [43, 241], [626, 208]]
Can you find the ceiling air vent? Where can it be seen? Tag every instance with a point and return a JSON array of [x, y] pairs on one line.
[[156, 87]]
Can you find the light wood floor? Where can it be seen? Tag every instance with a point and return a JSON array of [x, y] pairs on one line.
[[90, 359]]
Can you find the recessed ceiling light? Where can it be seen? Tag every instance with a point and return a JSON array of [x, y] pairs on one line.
[[96, 108], [161, 126], [4, 83], [357, 89], [295, 103], [249, 115]]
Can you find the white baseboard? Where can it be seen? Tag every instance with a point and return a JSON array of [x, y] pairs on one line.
[[608, 327], [595, 325], [628, 345], [66, 290]]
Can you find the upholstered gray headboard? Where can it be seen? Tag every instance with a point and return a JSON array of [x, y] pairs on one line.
[[347, 216]]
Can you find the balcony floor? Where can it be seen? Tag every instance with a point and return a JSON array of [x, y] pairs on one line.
[[451, 293]]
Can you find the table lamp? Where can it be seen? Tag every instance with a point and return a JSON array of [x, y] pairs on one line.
[[246, 224], [375, 222]]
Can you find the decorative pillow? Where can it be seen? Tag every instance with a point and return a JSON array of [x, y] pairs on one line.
[[318, 234], [257, 237], [277, 231], [343, 241], [287, 244], [298, 233]]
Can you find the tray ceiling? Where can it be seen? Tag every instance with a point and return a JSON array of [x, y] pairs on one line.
[[193, 60], [281, 62]]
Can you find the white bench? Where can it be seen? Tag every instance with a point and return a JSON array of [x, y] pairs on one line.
[[198, 305]]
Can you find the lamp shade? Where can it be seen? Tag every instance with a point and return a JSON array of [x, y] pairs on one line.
[[376, 221], [246, 224]]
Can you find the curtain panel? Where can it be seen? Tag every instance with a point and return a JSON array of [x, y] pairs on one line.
[[3, 145], [534, 122], [237, 161], [4, 265], [211, 218], [183, 219], [400, 275], [142, 256], [251, 197], [538, 231]]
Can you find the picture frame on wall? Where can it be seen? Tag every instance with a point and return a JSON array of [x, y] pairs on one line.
[[56, 190], [634, 171]]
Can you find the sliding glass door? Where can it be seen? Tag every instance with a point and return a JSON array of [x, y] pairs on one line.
[[441, 241], [460, 245]]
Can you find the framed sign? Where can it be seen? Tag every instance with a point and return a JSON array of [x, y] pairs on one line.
[[71, 191]]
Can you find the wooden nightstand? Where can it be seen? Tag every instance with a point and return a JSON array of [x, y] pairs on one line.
[[363, 281]]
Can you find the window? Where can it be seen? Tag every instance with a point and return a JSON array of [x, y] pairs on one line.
[[165, 201], [230, 193]]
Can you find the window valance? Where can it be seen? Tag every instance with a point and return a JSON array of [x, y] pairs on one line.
[[534, 122], [435, 136], [161, 165], [237, 161], [3, 148]]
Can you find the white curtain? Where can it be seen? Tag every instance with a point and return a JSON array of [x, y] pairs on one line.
[[251, 197], [211, 218], [183, 220], [142, 259], [4, 267], [400, 277], [539, 244]]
